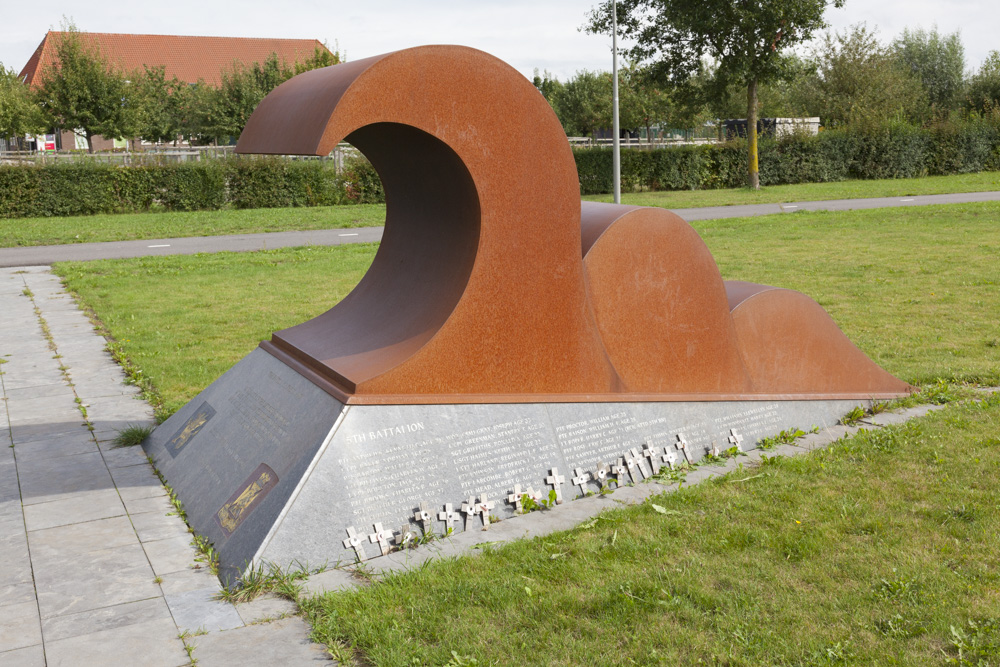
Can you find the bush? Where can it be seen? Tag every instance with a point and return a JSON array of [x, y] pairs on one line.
[[894, 150], [83, 188]]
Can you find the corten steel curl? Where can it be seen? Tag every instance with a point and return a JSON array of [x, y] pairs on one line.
[[479, 291]]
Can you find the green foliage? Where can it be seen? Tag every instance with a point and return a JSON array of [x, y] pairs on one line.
[[889, 150], [937, 61], [83, 188], [861, 82], [745, 39], [81, 92], [983, 92], [19, 115], [132, 435]]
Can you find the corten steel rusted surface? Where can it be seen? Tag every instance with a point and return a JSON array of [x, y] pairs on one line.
[[479, 291]]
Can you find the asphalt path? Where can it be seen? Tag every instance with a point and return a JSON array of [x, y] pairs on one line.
[[45, 255]]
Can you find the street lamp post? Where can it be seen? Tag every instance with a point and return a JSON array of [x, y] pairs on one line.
[[616, 141]]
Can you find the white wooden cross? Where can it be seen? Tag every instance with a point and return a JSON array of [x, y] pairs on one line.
[[650, 454], [449, 516], [406, 536], [581, 479], [469, 509], [713, 450], [736, 439], [382, 536], [669, 457], [356, 542], [423, 515], [620, 471], [601, 473], [682, 445], [515, 498], [555, 480], [534, 495], [638, 462], [483, 507]]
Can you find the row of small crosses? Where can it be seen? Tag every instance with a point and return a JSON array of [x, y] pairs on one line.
[[623, 470]]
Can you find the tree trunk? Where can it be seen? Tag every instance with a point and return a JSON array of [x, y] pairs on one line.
[[754, 180], [90, 143]]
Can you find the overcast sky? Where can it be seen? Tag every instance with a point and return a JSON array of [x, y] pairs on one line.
[[526, 34]]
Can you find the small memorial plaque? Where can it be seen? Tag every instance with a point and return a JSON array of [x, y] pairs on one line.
[[190, 429], [246, 498]]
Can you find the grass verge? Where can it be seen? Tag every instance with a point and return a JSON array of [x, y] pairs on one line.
[[158, 225], [777, 194], [162, 224]]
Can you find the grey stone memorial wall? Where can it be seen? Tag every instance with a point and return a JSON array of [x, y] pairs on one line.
[[272, 469]]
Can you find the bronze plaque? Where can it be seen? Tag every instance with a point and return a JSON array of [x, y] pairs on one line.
[[190, 429], [246, 498]]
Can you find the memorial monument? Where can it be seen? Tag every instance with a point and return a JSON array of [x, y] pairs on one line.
[[505, 338]]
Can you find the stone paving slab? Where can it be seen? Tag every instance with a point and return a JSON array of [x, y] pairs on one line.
[[283, 642], [102, 504], [94, 567], [150, 644]]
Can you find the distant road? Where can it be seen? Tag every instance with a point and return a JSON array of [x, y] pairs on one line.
[[44, 255]]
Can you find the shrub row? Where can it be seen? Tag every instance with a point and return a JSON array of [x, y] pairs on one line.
[[84, 188], [893, 151]]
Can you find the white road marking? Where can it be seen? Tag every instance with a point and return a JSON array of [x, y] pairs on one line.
[[164, 245], [905, 200], [789, 206], [346, 234]]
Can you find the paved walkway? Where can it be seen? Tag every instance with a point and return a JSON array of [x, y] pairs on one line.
[[94, 568], [40, 255]]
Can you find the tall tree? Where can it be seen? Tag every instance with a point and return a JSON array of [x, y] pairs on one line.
[[158, 101], [744, 37], [861, 82], [983, 94], [938, 61], [80, 92], [19, 115]]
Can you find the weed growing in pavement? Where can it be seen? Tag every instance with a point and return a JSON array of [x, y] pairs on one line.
[[132, 435]]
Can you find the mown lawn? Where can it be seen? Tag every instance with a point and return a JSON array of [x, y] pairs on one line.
[[158, 225], [881, 550], [164, 224]]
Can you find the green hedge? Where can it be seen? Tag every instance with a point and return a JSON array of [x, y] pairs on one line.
[[893, 151], [84, 188]]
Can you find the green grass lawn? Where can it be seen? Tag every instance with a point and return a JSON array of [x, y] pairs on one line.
[[157, 225], [880, 550], [777, 194], [163, 224]]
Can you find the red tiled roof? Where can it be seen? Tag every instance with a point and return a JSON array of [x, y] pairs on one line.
[[187, 58]]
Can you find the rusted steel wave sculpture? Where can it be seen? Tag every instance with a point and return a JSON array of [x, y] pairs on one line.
[[492, 284]]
